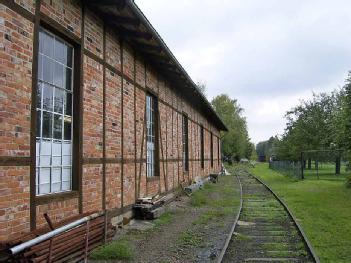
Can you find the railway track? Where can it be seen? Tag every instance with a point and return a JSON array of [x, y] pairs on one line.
[[265, 230]]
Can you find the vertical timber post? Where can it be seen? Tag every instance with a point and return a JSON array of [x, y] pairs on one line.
[[337, 163]]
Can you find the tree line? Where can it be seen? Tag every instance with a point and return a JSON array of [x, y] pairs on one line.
[[236, 143], [321, 123]]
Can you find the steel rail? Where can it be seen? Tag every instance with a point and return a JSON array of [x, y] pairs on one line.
[[297, 225], [19, 248], [229, 237], [302, 233]]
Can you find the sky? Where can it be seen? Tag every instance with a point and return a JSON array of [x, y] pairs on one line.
[[267, 54]]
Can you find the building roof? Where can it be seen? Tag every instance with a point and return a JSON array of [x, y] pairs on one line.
[[132, 25]]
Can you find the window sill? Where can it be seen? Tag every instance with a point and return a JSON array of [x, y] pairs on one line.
[[45, 199], [153, 179]]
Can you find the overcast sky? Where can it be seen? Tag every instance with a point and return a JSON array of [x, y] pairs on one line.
[[268, 54]]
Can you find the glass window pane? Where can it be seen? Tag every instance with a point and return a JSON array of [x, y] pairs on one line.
[[44, 188], [66, 186], [58, 102], [66, 160], [45, 160], [44, 175], [68, 79], [66, 148], [40, 66], [46, 43], [38, 123], [48, 70], [41, 40], [47, 97], [58, 75], [56, 160], [56, 148], [68, 128], [39, 95], [55, 187], [57, 126], [66, 174], [56, 175], [60, 51], [37, 148], [68, 104], [45, 147], [69, 55], [47, 125]]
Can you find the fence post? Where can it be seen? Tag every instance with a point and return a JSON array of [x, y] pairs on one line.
[[302, 166], [337, 164]]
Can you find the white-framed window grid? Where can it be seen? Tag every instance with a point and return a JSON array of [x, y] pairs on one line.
[[150, 135], [185, 143], [54, 131]]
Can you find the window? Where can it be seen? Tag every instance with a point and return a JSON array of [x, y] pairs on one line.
[[202, 147], [218, 151], [211, 149], [151, 138], [185, 144], [54, 115]]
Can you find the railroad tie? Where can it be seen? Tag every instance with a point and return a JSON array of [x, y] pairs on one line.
[[265, 232]]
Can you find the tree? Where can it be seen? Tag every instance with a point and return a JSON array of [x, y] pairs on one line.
[[235, 143], [201, 85], [266, 149], [323, 122]]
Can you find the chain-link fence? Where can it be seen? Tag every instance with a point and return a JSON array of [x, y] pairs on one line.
[[316, 164], [289, 168]]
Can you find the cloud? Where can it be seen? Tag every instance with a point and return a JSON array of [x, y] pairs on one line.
[[267, 54]]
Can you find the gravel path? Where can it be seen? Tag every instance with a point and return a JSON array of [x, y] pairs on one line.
[[195, 233]]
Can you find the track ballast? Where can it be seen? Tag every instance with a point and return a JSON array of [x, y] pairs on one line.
[[266, 230]]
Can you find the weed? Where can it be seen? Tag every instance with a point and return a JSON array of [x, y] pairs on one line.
[[119, 249], [164, 219], [199, 198], [242, 237], [189, 238]]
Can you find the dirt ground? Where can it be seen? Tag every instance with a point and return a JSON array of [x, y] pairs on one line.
[[193, 229]]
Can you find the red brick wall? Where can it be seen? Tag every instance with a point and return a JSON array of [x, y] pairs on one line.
[[16, 47], [127, 162]]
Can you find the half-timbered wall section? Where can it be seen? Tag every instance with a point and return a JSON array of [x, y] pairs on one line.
[[111, 78]]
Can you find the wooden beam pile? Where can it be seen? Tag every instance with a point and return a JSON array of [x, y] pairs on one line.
[[148, 208]]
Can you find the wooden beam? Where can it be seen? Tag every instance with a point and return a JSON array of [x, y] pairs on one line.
[[120, 4], [147, 47], [126, 20], [118, 20], [134, 34]]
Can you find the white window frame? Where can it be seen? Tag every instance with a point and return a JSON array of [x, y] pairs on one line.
[[185, 142], [151, 115], [54, 167]]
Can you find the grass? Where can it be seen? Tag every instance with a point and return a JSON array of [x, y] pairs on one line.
[[326, 171], [164, 219], [218, 205], [201, 197], [189, 238], [116, 250], [322, 207]]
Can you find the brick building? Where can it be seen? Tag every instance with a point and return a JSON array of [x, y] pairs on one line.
[[95, 111]]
